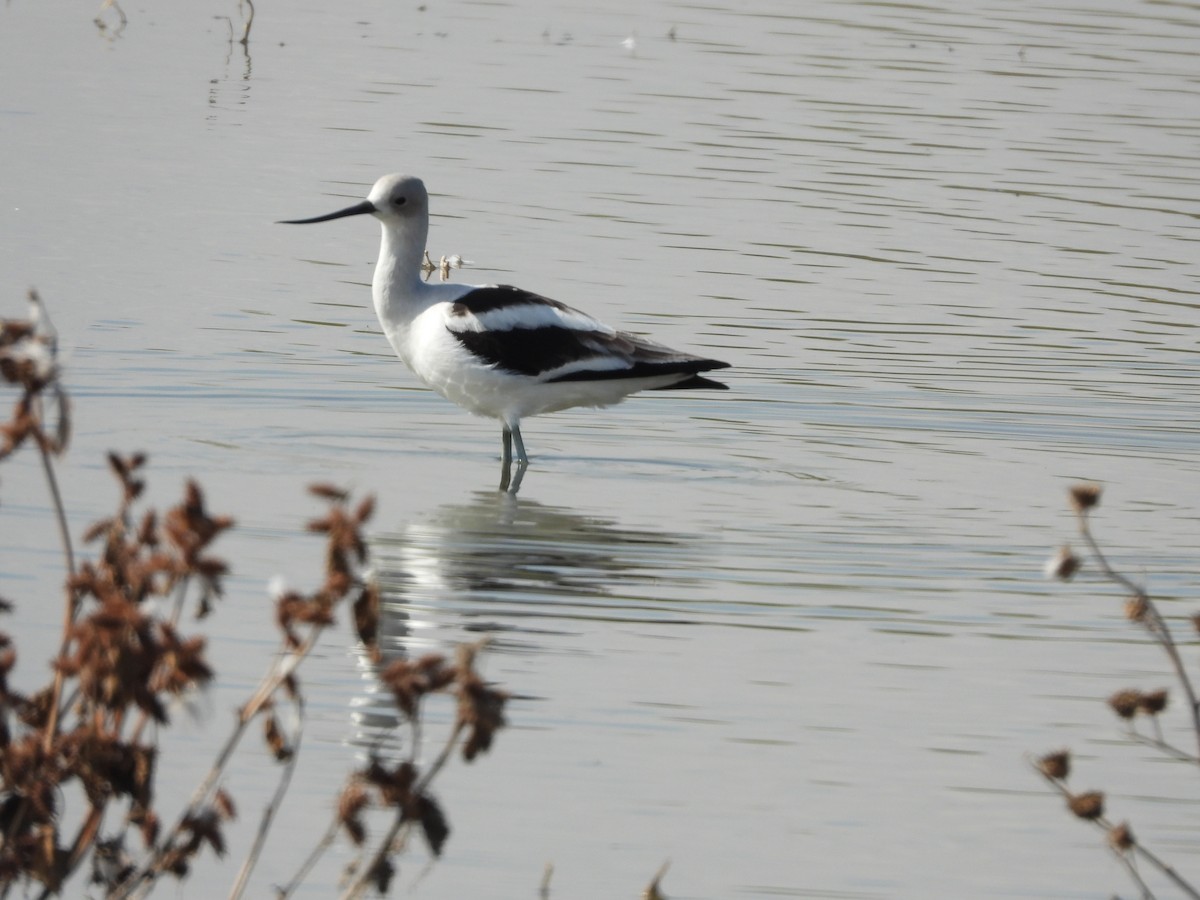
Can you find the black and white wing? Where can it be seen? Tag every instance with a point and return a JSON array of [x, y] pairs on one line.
[[527, 334]]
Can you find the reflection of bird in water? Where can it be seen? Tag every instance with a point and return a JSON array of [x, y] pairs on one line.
[[497, 564], [500, 351]]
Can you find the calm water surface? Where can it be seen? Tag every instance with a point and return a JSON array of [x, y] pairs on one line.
[[792, 637]]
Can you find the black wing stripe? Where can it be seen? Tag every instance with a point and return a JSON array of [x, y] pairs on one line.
[[530, 351], [496, 297]]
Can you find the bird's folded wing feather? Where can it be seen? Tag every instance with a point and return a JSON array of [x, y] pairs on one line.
[[527, 334]]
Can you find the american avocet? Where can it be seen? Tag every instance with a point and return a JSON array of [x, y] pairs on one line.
[[496, 350]]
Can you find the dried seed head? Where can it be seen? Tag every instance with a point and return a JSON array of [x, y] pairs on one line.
[[224, 805], [276, 741], [393, 786], [366, 618], [328, 491], [1153, 702], [1125, 703], [381, 876], [1136, 608], [149, 825], [351, 804], [433, 823], [1121, 837], [1062, 565], [1056, 765], [365, 510], [1088, 805], [1085, 496]]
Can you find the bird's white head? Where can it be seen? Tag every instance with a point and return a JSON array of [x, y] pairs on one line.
[[401, 204], [394, 200]]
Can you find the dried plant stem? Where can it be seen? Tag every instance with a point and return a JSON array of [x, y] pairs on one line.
[[322, 845], [82, 844], [1153, 859], [79, 848], [1155, 623], [141, 881], [252, 708], [268, 816], [1131, 867], [60, 513], [86, 837], [1163, 747], [402, 823], [180, 596], [331, 832], [1167, 870], [71, 608]]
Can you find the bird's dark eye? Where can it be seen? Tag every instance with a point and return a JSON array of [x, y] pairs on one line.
[[400, 201]]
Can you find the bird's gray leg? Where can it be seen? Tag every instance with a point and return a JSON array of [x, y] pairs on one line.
[[505, 458], [522, 459], [511, 434], [516, 482]]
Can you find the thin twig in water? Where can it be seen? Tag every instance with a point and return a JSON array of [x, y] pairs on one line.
[[249, 21], [111, 4], [652, 892]]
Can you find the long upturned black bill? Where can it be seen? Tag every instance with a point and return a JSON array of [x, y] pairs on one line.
[[357, 209]]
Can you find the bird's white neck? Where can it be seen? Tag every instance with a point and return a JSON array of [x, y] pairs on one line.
[[398, 272]]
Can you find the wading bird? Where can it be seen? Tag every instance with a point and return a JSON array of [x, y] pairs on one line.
[[496, 350]]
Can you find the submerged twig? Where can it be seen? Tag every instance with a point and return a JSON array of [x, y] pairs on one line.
[[113, 5], [652, 892], [245, 39]]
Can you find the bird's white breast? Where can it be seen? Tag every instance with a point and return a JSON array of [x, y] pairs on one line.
[[415, 325]]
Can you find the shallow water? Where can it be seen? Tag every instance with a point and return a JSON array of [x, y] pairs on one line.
[[793, 636]]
